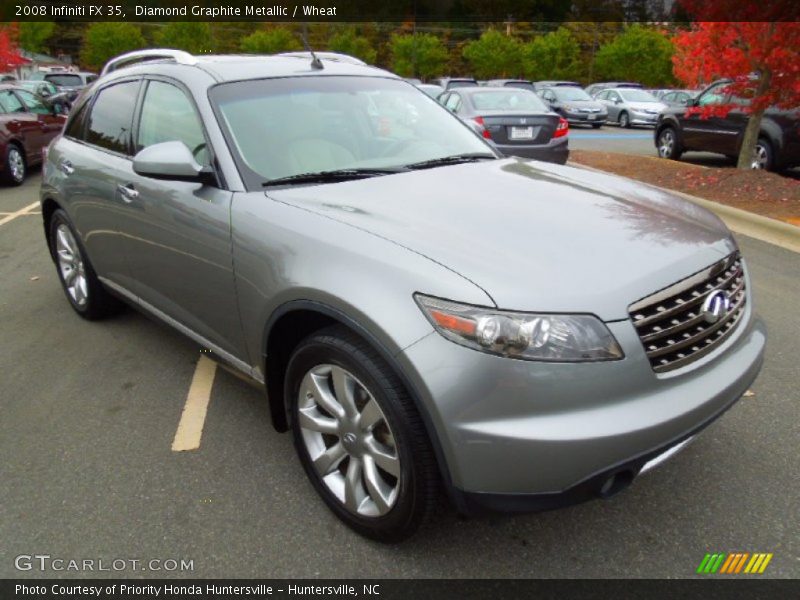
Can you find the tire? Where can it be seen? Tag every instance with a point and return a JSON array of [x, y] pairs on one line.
[[83, 289], [391, 497], [15, 168], [763, 156], [624, 120], [668, 144]]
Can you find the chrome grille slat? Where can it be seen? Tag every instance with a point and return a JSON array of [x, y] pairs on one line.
[[671, 324]]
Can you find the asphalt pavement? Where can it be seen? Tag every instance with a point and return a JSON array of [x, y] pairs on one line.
[[89, 412]]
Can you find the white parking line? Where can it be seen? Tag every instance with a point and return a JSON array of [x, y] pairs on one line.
[[19, 213], [190, 428]]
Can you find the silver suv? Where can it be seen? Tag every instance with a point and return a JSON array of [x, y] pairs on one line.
[[428, 317]]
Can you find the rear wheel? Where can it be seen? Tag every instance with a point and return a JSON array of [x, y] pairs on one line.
[[83, 289], [668, 144], [15, 167], [359, 436], [624, 120], [763, 157]]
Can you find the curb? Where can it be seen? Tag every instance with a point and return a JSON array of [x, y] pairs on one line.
[[741, 221]]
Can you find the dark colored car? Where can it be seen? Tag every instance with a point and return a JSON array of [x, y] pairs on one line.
[[575, 105], [27, 124], [679, 130], [517, 121], [595, 88], [522, 84]]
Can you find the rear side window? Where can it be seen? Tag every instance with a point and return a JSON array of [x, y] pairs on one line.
[[167, 116], [76, 127], [109, 123]]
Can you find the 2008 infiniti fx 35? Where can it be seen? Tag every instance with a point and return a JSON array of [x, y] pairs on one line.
[[427, 316]]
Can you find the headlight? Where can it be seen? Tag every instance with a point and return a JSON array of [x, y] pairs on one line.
[[568, 107], [528, 336]]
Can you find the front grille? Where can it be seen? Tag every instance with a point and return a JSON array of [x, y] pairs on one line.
[[671, 323]]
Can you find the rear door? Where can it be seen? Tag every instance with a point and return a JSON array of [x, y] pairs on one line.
[[709, 134], [177, 233]]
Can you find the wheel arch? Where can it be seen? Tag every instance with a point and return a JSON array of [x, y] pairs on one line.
[[49, 207], [293, 321]]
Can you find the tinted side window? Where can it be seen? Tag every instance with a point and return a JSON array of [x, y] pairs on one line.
[[109, 123], [167, 116], [714, 95], [10, 102], [76, 128]]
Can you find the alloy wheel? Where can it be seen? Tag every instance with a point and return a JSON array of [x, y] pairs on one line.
[[349, 440], [760, 157], [16, 164], [666, 143], [71, 266], [623, 120]]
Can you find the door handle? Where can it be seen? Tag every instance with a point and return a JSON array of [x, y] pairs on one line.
[[128, 192], [66, 167]]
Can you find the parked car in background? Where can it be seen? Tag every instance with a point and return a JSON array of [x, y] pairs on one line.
[[434, 91], [43, 89], [680, 129], [575, 105], [522, 84], [630, 106], [540, 85], [679, 97], [27, 124], [66, 81], [594, 88], [517, 121], [449, 83]]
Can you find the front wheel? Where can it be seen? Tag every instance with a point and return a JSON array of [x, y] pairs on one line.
[[668, 144], [359, 436], [624, 120]]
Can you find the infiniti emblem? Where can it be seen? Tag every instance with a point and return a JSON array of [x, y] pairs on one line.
[[350, 438], [716, 306]]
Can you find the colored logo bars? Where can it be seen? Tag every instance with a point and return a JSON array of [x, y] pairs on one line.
[[734, 563]]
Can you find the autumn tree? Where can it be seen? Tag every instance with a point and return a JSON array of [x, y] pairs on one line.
[[494, 54], [555, 55], [192, 36], [33, 35], [420, 55], [349, 42], [10, 57], [638, 54], [105, 40], [760, 57], [271, 41]]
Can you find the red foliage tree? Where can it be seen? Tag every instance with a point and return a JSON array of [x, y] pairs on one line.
[[759, 52], [10, 57]]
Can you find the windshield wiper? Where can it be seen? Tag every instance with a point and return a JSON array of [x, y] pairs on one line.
[[451, 160], [330, 176]]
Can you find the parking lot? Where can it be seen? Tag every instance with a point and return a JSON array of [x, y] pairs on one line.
[[90, 411]]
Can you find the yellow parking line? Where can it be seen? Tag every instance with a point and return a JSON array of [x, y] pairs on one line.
[[190, 428], [19, 213]]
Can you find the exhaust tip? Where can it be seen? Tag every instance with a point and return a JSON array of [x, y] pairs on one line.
[[616, 483]]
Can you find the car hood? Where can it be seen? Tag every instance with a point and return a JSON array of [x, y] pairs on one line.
[[535, 236]]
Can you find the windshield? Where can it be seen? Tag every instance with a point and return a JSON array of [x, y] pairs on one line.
[[637, 96], [66, 80], [570, 93], [508, 99], [296, 125]]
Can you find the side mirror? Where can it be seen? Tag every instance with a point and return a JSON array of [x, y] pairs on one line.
[[617, 101], [170, 160]]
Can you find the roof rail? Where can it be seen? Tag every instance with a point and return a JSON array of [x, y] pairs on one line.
[[124, 60]]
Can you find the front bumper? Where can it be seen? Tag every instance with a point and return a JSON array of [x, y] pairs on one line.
[[643, 118], [576, 118], [523, 435]]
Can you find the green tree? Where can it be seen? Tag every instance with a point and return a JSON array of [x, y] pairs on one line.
[[191, 36], [556, 55], [271, 41], [349, 42], [638, 54], [103, 41], [494, 55], [33, 35], [420, 55]]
